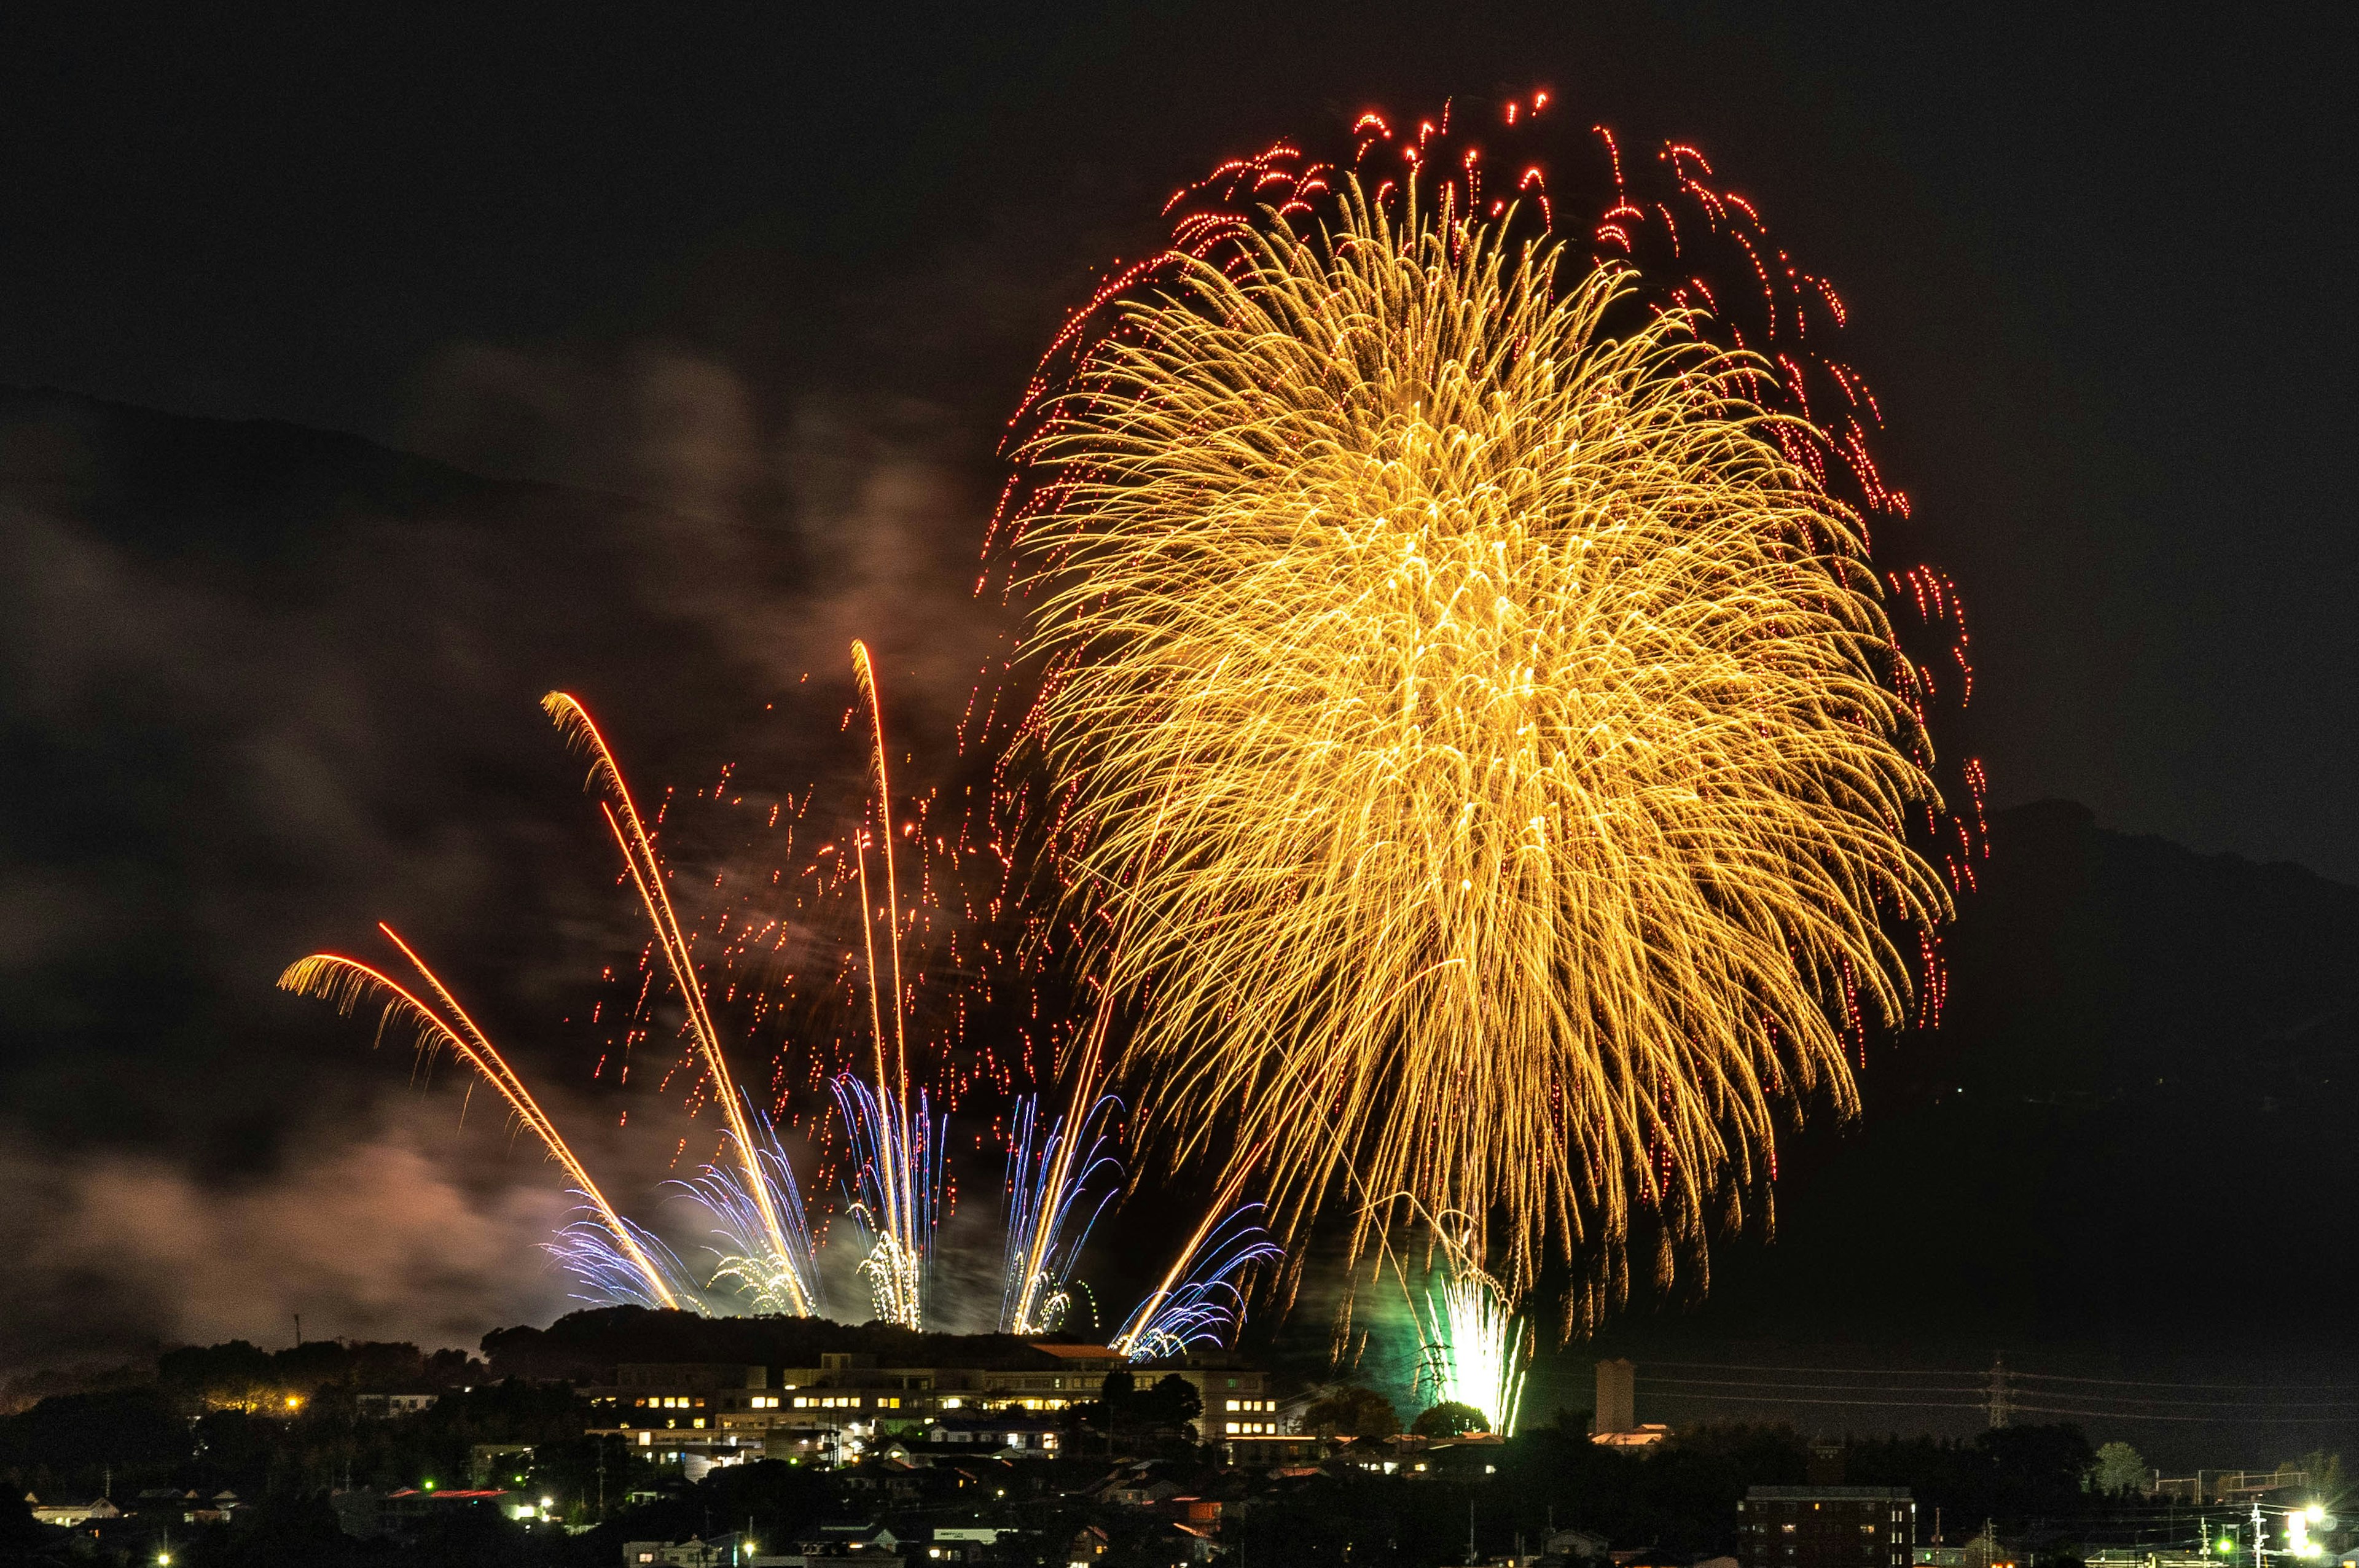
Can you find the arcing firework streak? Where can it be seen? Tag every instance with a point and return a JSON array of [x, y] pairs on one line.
[[347, 981], [786, 1268]]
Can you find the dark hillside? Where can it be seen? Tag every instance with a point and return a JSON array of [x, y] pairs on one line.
[[2137, 1113]]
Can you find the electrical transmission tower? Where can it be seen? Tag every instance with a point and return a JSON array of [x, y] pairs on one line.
[[2001, 1407]]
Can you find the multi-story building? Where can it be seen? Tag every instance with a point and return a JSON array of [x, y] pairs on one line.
[[719, 1412], [1826, 1526]]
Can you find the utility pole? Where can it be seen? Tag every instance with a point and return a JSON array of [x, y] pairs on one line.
[[2000, 1407], [2256, 1534]]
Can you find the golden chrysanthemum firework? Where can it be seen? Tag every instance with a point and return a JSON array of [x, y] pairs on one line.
[[1483, 730]]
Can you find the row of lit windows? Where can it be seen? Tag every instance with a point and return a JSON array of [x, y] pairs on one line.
[[670, 1403], [842, 1403], [1253, 1404], [1789, 1528], [1255, 1428]]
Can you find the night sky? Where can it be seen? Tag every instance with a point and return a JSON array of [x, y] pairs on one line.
[[764, 282]]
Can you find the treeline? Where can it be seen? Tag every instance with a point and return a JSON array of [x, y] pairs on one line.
[[240, 1373], [70, 1446], [586, 1347]]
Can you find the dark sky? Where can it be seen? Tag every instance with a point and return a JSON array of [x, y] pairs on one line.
[[785, 267], [2098, 265]]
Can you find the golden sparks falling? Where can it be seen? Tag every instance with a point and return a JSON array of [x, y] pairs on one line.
[[1485, 728]]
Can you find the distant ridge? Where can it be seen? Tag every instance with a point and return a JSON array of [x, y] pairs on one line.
[[2145, 1083]]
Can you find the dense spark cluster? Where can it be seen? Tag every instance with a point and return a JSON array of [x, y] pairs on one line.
[[1474, 1350], [896, 1198], [1482, 716]]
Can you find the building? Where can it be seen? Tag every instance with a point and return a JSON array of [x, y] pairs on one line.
[[162, 1504], [849, 1405], [1577, 1545], [1617, 1398], [384, 1407], [1013, 1434], [1237, 1401], [730, 1551], [2227, 1486], [1826, 1526], [72, 1515], [1615, 1422], [2141, 1557], [400, 1512]]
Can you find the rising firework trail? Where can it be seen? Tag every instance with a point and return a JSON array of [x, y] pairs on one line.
[[900, 1168], [779, 1253], [1050, 1210], [614, 1255], [896, 1193], [768, 1278], [1480, 698], [1045, 1193], [1201, 1299]]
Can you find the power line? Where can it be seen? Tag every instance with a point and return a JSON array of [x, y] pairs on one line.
[[1654, 1382], [1979, 1379], [1837, 1371], [1778, 1388], [2156, 1383], [2252, 1415], [1906, 1405]]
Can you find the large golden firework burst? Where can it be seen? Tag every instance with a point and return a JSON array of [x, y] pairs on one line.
[[1484, 732]]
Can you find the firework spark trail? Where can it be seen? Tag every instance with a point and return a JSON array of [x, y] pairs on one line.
[[346, 982], [1039, 1257], [1049, 1213], [1474, 1350], [776, 1237], [770, 1280], [1201, 1298], [588, 1250], [1468, 663], [896, 1153], [900, 1163]]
